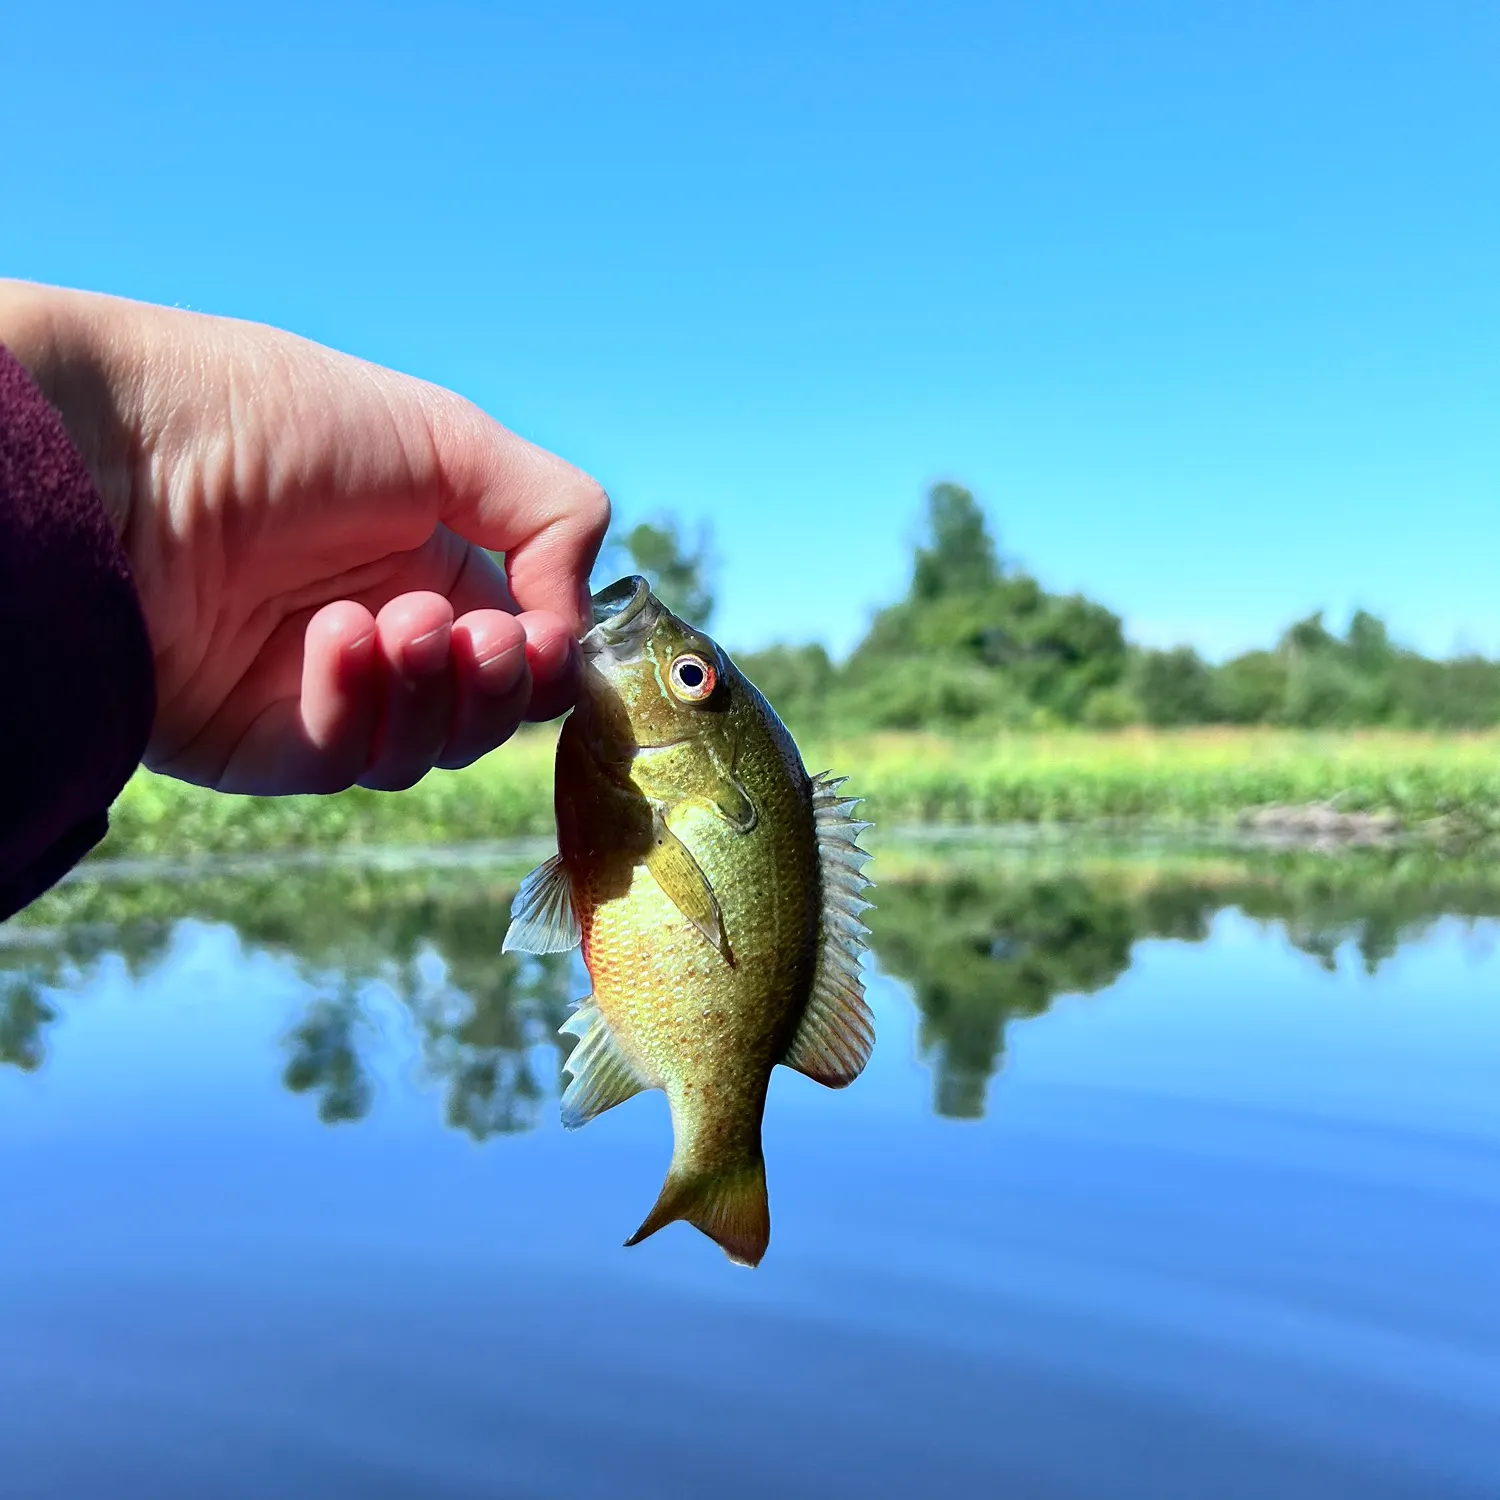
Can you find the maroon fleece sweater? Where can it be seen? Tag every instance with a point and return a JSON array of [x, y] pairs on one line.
[[77, 690]]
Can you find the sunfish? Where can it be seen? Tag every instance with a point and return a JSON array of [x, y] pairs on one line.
[[716, 890]]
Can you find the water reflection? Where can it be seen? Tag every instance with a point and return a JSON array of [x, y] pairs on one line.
[[482, 1029], [982, 937], [23, 1014], [430, 940], [325, 1058], [980, 952]]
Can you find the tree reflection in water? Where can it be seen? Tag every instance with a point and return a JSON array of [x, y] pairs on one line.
[[481, 1030], [23, 1015], [429, 940], [982, 939], [985, 941], [980, 953], [325, 1058]]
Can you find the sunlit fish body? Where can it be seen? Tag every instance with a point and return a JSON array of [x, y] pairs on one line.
[[715, 887]]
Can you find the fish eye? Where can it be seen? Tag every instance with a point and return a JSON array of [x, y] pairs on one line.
[[692, 678]]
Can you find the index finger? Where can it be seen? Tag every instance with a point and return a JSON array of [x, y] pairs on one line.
[[504, 493]]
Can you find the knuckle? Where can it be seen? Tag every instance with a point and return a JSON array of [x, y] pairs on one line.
[[590, 504], [395, 779], [327, 781]]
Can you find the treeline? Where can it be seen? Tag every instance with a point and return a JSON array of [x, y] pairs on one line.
[[978, 643]]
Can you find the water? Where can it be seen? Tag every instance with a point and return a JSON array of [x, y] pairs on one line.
[[1174, 1174]]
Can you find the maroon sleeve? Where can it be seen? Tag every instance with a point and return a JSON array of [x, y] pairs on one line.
[[77, 691]]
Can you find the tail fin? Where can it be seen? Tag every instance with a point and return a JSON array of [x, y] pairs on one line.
[[729, 1207]]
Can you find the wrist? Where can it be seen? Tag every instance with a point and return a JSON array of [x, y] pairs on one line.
[[61, 339]]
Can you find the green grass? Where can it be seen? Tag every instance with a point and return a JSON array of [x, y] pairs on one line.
[[1200, 778], [507, 796]]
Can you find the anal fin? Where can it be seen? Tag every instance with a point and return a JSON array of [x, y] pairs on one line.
[[602, 1076]]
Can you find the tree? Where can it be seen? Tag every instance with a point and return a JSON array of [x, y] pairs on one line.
[[1174, 687], [1073, 647], [1370, 644], [1332, 682], [978, 644], [1307, 637], [1251, 689], [961, 558], [973, 643]]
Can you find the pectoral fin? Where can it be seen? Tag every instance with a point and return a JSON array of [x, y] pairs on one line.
[[542, 919], [730, 799], [674, 869]]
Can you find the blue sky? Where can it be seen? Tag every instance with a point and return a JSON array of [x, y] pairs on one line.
[[1203, 300]]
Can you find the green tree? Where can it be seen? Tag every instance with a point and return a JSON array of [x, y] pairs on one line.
[[976, 643], [1460, 694], [960, 557], [1174, 687], [1250, 689], [1369, 645], [1332, 682], [1071, 649], [980, 644]]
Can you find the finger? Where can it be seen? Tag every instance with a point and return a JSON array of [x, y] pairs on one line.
[[493, 685], [556, 662], [504, 493], [302, 719], [340, 700], [480, 582], [414, 634]]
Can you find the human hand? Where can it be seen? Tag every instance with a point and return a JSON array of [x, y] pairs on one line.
[[307, 534]]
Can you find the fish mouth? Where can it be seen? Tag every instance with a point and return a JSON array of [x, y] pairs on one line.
[[624, 614]]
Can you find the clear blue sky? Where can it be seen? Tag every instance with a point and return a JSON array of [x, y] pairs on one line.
[[1203, 300]]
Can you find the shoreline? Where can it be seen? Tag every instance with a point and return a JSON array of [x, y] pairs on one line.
[[1343, 789], [1313, 828]]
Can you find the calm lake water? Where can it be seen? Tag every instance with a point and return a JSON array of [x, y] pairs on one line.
[[1174, 1174]]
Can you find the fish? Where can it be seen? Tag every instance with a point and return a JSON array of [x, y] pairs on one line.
[[716, 890]]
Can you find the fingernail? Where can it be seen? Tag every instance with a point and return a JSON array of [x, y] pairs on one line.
[[551, 656], [499, 673], [427, 654]]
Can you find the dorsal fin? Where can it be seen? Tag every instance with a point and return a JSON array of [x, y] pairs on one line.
[[837, 1033]]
